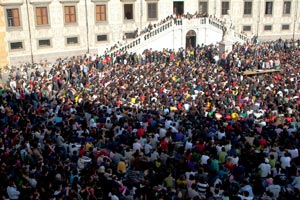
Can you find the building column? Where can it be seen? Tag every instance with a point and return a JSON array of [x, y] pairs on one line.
[[3, 47]]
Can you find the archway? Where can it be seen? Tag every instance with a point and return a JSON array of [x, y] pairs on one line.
[[190, 39]]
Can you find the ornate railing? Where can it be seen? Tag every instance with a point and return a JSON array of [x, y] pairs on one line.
[[162, 28]]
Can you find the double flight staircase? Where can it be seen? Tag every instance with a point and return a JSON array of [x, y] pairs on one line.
[[171, 29]]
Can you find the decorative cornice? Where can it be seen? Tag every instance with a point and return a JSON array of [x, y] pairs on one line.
[[69, 1], [99, 1], [40, 1], [124, 1], [12, 2]]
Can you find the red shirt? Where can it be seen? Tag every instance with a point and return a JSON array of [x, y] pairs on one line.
[[164, 145], [200, 147], [81, 152], [262, 142], [179, 106], [140, 132]]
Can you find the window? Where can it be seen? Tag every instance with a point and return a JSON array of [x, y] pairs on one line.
[[269, 8], [268, 27], [285, 27], [13, 17], [246, 28], [41, 14], [16, 45], [72, 40], [152, 10], [101, 38], [130, 35], [100, 13], [70, 14], [247, 7], [128, 11], [44, 43], [225, 7], [203, 7], [287, 8]]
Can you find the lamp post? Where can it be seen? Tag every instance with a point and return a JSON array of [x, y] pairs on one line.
[[258, 19], [29, 30], [87, 27], [295, 19], [141, 15]]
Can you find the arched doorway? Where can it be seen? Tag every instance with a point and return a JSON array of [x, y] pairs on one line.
[[190, 39]]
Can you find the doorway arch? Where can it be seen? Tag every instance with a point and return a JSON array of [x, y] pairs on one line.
[[190, 39]]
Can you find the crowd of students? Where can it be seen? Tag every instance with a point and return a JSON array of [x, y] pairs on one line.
[[175, 124]]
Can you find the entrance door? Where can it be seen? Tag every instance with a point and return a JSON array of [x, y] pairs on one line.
[[190, 39], [178, 7]]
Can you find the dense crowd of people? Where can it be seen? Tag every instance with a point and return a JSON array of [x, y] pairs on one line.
[[184, 124]]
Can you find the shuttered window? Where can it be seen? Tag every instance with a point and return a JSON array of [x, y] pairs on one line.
[[13, 17], [41, 15], [70, 14], [100, 13], [152, 10]]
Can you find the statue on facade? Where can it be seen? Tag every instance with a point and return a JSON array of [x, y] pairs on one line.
[[224, 33], [227, 28], [227, 32]]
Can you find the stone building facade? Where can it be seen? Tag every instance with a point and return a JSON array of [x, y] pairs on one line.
[[35, 30]]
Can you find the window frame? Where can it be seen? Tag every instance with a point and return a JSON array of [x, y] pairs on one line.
[[96, 13], [282, 27], [72, 44], [64, 13], [228, 2], [131, 33], [156, 11], [283, 8], [268, 25], [207, 6], [243, 28], [132, 4], [266, 8], [251, 10], [100, 34], [20, 49], [47, 14], [19, 17], [43, 47]]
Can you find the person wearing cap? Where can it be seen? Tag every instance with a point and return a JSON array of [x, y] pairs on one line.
[[246, 191], [273, 188], [264, 169]]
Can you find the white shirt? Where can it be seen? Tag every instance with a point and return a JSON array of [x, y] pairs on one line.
[[154, 156], [294, 153], [188, 145], [220, 135], [265, 170], [162, 132], [136, 146], [147, 148], [285, 162], [203, 159]]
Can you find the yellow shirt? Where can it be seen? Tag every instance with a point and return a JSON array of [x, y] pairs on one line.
[[208, 104], [234, 115], [173, 108], [76, 99], [88, 146], [121, 167], [133, 100]]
